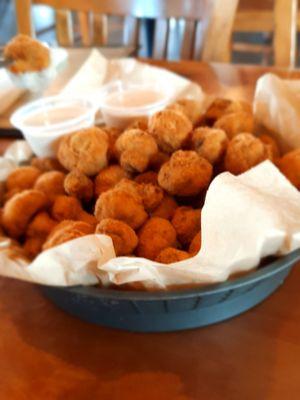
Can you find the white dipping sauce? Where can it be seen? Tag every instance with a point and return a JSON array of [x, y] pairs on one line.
[[53, 116]]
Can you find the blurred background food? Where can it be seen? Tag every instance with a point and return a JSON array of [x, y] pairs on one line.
[[254, 28]]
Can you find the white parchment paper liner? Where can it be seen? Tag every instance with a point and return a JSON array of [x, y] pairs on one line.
[[244, 218], [277, 107]]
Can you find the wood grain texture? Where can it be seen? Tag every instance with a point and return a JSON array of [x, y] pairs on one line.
[[47, 354]]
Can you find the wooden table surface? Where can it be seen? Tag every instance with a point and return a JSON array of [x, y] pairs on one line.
[[47, 354]]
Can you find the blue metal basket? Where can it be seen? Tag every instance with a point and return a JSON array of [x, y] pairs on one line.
[[172, 310]]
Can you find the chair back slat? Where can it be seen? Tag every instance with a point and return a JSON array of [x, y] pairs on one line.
[[187, 46], [161, 33], [84, 21], [100, 29], [64, 27]]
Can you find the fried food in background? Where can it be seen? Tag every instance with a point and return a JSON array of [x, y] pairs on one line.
[[244, 151], [51, 183], [216, 110], [210, 143], [21, 178], [136, 149], [79, 185], [108, 178], [170, 129], [41, 225], [19, 210], [192, 109], [289, 165], [85, 150], [46, 164], [26, 54], [187, 222], [171, 255], [154, 236], [271, 146], [139, 123], [185, 174], [70, 208], [67, 230], [235, 123], [123, 236]]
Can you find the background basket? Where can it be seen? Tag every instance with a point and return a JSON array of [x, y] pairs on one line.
[[172, 310]]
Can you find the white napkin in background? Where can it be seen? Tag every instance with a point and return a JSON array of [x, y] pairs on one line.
[[277, 107], [9, 93]]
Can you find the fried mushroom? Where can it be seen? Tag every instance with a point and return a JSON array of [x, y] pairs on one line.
[[170, 255], [78, 185], [210, 143], [187, 222]]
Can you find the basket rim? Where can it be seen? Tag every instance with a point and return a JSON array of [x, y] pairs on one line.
[[255, 276]]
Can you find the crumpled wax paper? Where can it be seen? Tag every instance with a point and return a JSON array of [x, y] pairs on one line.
[[244, 219], [277, 107]]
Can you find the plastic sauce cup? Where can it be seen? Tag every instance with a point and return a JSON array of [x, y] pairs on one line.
[[121, 103], [44, 121]]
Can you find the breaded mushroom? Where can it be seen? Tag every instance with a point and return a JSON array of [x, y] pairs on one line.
[[244, 151], [121, 204], [69, 208], [195, 244], [170, 255], [85, 150], [136, 149], [216, 109], [46, 164], [289, 165], [33, 246], [19, 210], [235, 123], [139, 123], [185, 174], [27, 54], [166, 208], [271, 146], [113, 134], [67, 230], [189, 107], [210, 143], [79, 185], [147, 177], [237, 106], [187, 222], [123, 236], [154, 236], [41, 225], [51, 183], [108, 178], [22, 178], [170, 129]]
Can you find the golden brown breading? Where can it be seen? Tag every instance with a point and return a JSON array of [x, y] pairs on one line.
[[271, 146], [147, 177], [237, 106], [186, 174], [166, 209], [210, 143], [79, 185], [192, 109], [195, 244], [289, 165], [136, 149], [41, 225], [235, 123], [139, 123], [123, 205], [216, 110], [244, 151], [154, 236], [27, 54], [187, 222], [67, 230], [67, 207], [170, 129], [33, 246], [85, 150], [51, 183], [22, 178], [170, 255], [108, 178], [19, 210], [158, 160], [123, 236], [46, 164], [113, 134]]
